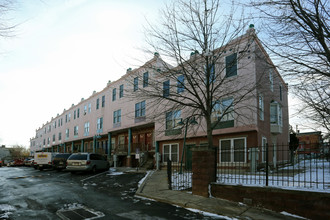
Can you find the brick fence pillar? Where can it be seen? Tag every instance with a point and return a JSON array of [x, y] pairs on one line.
[[203, 168]]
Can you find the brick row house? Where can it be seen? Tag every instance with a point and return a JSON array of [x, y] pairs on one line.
[[118, 121]]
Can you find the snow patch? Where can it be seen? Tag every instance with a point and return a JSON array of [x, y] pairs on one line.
[[211, 214], [292, 215], [143, 179], [6, 210]]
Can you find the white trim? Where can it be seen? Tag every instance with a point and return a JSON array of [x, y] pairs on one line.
[[232, 149], [170, 152]]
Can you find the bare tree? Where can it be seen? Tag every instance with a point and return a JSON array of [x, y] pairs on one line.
[[6, 29], [298, 35], [202, 44]]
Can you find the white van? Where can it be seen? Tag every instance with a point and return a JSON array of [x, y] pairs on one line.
[[43, 160]]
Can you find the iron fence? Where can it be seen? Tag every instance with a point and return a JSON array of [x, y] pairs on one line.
[[275, 165], [179, 175]]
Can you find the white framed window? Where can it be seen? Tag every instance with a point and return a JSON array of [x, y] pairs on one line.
[[172, 119], [100, 125], [75, 130], [67, 133], [171, 151], [233, 150], [223, 110], [89, 107], [276, 113], [86, 129], [117, 116], [261, 107]]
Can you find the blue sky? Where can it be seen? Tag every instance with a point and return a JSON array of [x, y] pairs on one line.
[[62, 51]]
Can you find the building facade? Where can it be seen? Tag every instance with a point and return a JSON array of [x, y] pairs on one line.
[[117, 121]]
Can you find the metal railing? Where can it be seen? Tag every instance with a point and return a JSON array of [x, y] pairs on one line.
[[275, 166], [179, 175]]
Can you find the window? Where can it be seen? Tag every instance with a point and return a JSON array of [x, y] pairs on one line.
[[117, 116], [59, 136], [261, 107], [67, 134], [233, 150], [97, 103], [53, 137], [78, 111], [140, 109], [86, 129], [275, 113], [89, 107], [271, 80], [172, 119], [75, 130], [114, 94], [231, 65], [136, 83], [171, 151], [281, 97], [121, 91], [66, 118], [223, 110], [100, 125], [48, 140], [69, 119], [145, 79], [85, 109], [74, 114], [103, 101], [55, 124], [59, 122], [166, 88], [180, 84]]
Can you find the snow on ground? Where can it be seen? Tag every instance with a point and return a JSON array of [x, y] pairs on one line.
[[215, 216], [181, 181], [310, 175], [292, 215], [6, 211], [306, 175], [150, 172]]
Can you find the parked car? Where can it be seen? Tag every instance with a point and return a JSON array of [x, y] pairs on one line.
[[15, 163], [59, 161], [43, 160], [86, 162], [28, 162]]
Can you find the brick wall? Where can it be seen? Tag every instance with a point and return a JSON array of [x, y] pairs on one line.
[[203, 168], [313, 205]]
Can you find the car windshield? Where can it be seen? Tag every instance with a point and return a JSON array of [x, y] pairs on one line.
[[78, 157]]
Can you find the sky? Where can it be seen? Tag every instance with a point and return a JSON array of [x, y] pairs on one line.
[[61, 51]]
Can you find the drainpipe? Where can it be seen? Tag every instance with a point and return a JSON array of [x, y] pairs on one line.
[[72, 146]]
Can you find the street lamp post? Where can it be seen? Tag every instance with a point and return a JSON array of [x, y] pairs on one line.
[[185, 122]]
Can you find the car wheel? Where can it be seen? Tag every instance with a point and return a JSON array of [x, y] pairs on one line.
[[94, 169]]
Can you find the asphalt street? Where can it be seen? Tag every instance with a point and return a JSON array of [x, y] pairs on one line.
[[26, 193]]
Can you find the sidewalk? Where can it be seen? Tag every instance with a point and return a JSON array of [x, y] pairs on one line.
[[155, 187]]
